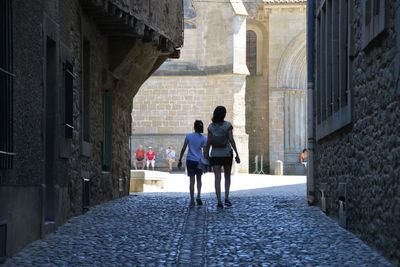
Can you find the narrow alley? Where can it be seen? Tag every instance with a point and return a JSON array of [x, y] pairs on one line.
[[269, 226]]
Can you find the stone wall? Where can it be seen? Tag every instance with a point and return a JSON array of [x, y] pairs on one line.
[[167, 106], [365, 156], [286, 23], [159, 15], [281, 60], [210, 72], [257, 106], [67, 24]]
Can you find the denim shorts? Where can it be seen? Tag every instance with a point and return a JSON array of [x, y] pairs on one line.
[[192, 169]]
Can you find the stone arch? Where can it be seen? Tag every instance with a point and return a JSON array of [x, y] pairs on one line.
[[292, 80], [292, 70]]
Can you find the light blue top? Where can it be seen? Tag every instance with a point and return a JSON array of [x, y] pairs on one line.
[[195, 142]]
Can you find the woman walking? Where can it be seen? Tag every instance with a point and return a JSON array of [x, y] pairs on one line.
[[196, 141], [221, 142]]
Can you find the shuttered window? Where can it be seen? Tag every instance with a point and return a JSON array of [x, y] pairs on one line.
[[68, 99], [374, 19], [333, 98], [6, 85], [107, 131], [86, 90]]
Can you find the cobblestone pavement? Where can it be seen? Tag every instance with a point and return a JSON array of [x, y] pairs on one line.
[[265, 227]]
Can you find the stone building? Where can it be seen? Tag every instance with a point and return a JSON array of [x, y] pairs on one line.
[[354, 135], [268, 107], [276, 87], [210, 72], [68, 72]]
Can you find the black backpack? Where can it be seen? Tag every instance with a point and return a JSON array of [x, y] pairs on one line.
[[218, 135]]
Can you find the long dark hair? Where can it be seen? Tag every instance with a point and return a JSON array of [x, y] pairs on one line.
[[219, 114], [198, 126]]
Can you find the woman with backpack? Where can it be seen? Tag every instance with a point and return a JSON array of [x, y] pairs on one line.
[[221, 142]]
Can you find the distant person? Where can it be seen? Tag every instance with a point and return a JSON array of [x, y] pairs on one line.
[[221, 142], [304, 158], [196, 141], [139, 157], [150, 158], [170, 157]]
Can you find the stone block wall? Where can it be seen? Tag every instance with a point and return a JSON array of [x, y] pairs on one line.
[[169, 105], [285, 22], [67, 24], [160, 15], [257, 106], [276, 124], [365, 156], [280, 30]]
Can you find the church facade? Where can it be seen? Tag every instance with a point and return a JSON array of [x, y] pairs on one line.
[[249, 57], [276, 87]]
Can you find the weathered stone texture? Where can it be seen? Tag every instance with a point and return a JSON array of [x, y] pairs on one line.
[[281, 59], [257, 106], [210, 72], [23, 187], [166, 107], [159, 15], [366, 155]]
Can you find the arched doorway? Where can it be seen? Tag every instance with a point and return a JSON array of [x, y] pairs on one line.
[[292, 79]]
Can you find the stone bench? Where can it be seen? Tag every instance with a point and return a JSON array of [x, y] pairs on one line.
[[141, 178]]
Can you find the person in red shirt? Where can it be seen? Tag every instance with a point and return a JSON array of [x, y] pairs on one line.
[[150, 158], [139, 157]]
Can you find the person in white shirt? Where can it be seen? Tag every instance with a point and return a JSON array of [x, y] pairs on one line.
[[170, 156]]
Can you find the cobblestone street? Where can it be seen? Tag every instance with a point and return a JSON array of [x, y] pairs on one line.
[[265, 227]]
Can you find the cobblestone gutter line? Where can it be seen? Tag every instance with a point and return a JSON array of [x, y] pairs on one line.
[[193, 243]]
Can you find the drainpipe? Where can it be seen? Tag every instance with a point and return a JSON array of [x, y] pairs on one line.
[[310, 100]]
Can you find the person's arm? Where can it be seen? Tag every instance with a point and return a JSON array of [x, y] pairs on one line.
[[181, 155], [233, 144], [206, 150]]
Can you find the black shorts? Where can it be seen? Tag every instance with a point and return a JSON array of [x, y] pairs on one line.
[[221, 161], [192, 169]]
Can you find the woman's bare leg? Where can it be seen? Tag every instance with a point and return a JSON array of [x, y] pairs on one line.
[[227, 173], [198, 181], [191, 189], [217, 174]]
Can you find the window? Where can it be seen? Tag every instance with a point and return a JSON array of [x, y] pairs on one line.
[[6, 85], [107, 131], [86, 83], [374, 20], [66, 100], [251, 52], [86, 90], [333, 106]]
